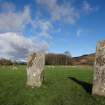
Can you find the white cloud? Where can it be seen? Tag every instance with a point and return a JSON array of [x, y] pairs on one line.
[[78, 33], [64, 12], [87, 7], [12, 21], [17, 47], [44, 26], [84, 32], [14, 45], [6, 7], [16, 21]]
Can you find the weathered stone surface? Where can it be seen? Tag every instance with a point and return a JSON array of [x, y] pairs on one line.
[[35, 68], [99, 70]]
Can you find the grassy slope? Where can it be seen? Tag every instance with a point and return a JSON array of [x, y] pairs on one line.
[[62, 86]]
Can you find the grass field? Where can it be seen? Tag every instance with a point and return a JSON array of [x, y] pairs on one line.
[[62, 86]]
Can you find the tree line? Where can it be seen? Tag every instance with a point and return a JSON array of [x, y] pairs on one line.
[[58, 59], [50, 59], [5, 62]]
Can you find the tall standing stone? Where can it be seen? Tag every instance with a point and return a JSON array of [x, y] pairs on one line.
[[35, 68], [99, 70]]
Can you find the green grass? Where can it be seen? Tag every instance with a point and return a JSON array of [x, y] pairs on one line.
[[62, 86]]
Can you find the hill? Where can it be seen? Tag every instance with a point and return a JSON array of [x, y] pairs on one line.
[[84, 59]]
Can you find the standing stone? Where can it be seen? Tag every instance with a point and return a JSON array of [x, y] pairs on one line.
[[35, 68], [99, 71]]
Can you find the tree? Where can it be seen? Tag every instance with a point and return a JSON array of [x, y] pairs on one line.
[[58, 59], [67, 53], [5, 62]]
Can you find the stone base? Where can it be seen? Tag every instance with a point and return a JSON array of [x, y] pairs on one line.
[[97, 91]]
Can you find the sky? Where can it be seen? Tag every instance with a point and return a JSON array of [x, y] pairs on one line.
[[53, 26]]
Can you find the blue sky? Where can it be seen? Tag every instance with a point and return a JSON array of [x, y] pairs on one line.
[[56, 25]]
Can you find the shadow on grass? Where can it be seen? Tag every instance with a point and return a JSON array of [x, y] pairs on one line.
[[86, 86]]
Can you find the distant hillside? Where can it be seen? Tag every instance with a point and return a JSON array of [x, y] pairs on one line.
[[84, 59]]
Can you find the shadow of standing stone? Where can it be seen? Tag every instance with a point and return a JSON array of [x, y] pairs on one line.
[[99, 70], [86, 86]]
